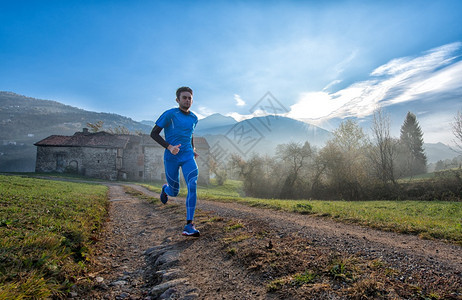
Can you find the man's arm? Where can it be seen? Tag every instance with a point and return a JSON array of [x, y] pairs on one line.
[[194, 148], [155, 134]]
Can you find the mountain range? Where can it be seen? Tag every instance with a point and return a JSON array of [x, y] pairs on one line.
[[25, 120], [258, 135]]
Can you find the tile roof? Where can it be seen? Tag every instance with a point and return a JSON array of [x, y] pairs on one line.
[[83, 139], [201, 142]]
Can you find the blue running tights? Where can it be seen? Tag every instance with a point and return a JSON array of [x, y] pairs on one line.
[[190, 173]]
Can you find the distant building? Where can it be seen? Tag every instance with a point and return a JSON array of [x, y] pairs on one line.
[[111, 156]]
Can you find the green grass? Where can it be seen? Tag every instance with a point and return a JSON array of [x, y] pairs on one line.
[[45, 234], [428, 219], [429, 176]]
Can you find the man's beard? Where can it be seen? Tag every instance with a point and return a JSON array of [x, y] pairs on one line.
[[185, 107]]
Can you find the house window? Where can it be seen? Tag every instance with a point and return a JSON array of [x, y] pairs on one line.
[[73, 166], [59, 161], [140, 173]]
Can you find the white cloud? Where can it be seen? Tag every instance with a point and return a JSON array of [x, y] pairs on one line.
[[400, 80], [447, 79], [436, 127], [331, 84], [340, 67], [203, 112], [239, 101], [314, 105], [432, 59], [239, 117]]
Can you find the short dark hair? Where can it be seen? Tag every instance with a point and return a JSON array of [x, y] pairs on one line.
[[183, 89]]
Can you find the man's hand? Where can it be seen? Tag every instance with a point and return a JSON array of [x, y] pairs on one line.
[[174, 149]]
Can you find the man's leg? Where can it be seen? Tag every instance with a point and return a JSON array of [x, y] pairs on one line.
[[172, 172], [190, 173]]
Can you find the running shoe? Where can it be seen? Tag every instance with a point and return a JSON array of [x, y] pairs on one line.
[[163, 195], [190, 230]]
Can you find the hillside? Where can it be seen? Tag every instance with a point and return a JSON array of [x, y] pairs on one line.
[[21, 116], [25, 120]]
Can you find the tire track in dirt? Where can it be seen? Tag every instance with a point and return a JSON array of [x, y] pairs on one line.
[[346, 237], [139, 234]]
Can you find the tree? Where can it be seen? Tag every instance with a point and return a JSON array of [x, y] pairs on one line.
[[439, 165], [119, 130], [250, 172], [345, 159], [95, 127], [383, 151], [99, 126], [413, 158], [457, 129], [261, 175], [219, 171], [295, 158]]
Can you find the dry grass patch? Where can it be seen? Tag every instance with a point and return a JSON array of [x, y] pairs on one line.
[[46, 234]]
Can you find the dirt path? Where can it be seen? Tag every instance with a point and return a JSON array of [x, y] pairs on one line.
[[251, 253]]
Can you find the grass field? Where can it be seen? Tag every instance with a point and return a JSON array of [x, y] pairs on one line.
[[428, 219], [45, 231], [46, 226]]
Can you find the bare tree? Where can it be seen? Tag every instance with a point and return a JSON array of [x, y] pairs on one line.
[[119, 130], [345, 158], [296, 158], [219, 171], [457, 129], [383, 149], [99, 126], [95, 127], [250, 171]]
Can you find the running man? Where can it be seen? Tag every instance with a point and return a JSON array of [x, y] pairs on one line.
[[178, 124]]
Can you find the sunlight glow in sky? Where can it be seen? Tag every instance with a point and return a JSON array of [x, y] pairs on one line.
[[400, 80], [323, 60]]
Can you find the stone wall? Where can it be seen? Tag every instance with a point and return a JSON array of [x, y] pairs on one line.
[[59, 159], [154, 163], [133, 160], [92, 162], [100, 163]]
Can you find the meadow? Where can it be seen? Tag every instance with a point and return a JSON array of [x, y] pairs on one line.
[[428, 219], [47, 226], [46, 232]]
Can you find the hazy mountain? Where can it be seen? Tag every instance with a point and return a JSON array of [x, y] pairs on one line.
[[260, 135], [148, 123], [214, 121], [439, 151]]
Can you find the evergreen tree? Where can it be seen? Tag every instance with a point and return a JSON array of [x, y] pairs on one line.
[[414, 160]]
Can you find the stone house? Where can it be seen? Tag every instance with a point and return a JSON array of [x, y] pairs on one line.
[[111, 156]]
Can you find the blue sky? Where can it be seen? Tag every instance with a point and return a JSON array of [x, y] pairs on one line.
[[322, 60]]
